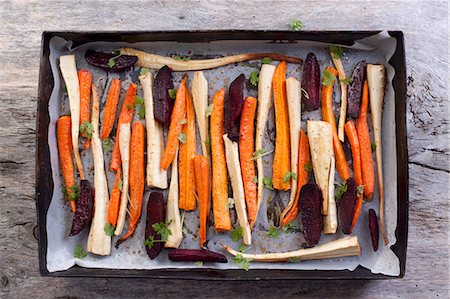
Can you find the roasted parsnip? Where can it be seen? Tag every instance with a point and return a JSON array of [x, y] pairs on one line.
[[200, 98], [173, 219]]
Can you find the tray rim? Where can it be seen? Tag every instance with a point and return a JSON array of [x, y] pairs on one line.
[[44, 183]]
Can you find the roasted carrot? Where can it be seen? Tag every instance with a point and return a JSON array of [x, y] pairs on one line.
[[368, 173], [222, 221], [114, 201], [63, 131], [176, 126], [282, 156], [85, 79], [328, 116], [203, 190], [137, 177], [187, 153], [304, 168], [352, 136], [246, 149], [125, 117], [109, 112]]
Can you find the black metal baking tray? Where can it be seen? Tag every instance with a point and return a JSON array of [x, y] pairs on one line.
[[44, 182]]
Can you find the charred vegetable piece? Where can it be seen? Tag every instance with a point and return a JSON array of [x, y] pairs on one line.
[[110, 61], [162, 103], [196, 255], [354, 90], [311, 83], [155, 215], [233, 108], [373, 227], [346, 206], [85, 205], [310, 205]]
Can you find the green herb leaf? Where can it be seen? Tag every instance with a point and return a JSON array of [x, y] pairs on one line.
[[336, 52], [209, 110], [130, 106], [199, 264], [266, 60], [260, 153], [74, 193], [208, 145], [242, 262], [144, 71], [243, 248], [120, 185], [273, 232], [289, 175], [183, 122], [289, 227], [79, 252], [162, 230], [107, 145], [150, 242], [86, 129], [268, 183], [182, 137], [346, 81], [109, 229], [328, 78], [373, 146], [296, 24], [64, 190], [185, 231], [340, 190], [138, 100], [182, 58], [236, 233], [230, 203], [255, 180], [254, 78], [141, 111], [112, 62], [307, 167], [359, 190], [64, 89], [293, 259]]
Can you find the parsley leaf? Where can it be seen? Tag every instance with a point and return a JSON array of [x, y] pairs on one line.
[[340, 190], [243, 248], [289, 175], [109, 229], [255, 179], [79, 252], [182, 58], [144, 71], [328, 78], [120, 185], [138, 100], [359, 190], [308, 167], [260, 153], [64, 89], [373, 146], [242, 262], [208, 145], [209, 110], [336, 52], [141, 111], [236, 233], [183, 122], [267, 182], [182, 137], [150, 242], [86, 129], [107, 146], [273, 232], [111, 62], [254, 78], [162, 230], [74, 193], [346, 81], [64, 190], [199, 264], [172, 93], [266, 60], [296, 24], [289, 227], [293, 259]]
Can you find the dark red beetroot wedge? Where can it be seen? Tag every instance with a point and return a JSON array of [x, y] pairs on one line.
[[346, 206], [233, 107], [110, 61], [196, 255], [310, 206], [354, 90], [155, 214], [162, 103], [374, 231], [85, 207], [311, 83]]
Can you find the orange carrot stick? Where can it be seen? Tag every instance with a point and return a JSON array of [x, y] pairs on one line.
[[352, 136], [282, 156], [85, 79], [187, 153], [137, 177], [125, 117], [109, 112], [304, 168], [328, 116], [64, 136], [368, 173], [246, 149], [114, 200], [222, 221], [176, 126], [202, 184]]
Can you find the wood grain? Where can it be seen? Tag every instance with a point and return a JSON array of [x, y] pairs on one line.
[[425, 24]]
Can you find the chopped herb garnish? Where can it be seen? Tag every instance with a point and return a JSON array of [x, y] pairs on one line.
[[359, 190], [64, 89], [86, 129], [208, 145], [289, 175], [79, 252], [138, 100], [109, 229], [346, 81], [199, 264], [242, 262], [307, 167], [336, 52], [230, 203], [373, 146], [120, 185], [243, 248], [209, 110], [182, 138], [340, 190], [254, 78], [74, 192], [273, 232], [260, 153], [139, 105], [141, 111], [328, 78], [255, 179], [296, 24], [293, 259], [162, 230], [266, 60], [144, 71], [236, 233], [289, 227], [112, 62], [268, 183], [107, 146], [179, 57], [183, 122], [172, 93], [64, 190]]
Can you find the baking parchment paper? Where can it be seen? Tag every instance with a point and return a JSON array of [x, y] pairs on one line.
[[378, 48]]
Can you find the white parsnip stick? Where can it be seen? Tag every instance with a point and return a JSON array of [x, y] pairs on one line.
[[199, 92], [173, 219], [343, 112]]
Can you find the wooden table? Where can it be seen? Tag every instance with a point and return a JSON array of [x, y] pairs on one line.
[[425, 25]]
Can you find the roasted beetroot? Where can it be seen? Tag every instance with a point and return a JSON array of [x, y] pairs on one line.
[[233, 108], [311, 83], [85, 207], [346, 206], [196, 255], [373, 227], [110, 61], [155, 216], [354, 90], [162, 103], [310, 206]]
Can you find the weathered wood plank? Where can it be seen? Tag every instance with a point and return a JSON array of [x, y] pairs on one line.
[[425, 24]]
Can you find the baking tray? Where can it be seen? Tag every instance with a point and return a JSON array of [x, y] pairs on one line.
[[44, 182]]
